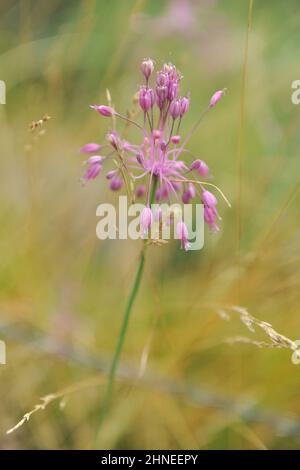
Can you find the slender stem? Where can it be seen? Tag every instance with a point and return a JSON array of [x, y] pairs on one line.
[[121, 338], [123, 330]]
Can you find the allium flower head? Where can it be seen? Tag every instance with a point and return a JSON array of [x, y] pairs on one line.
[[159, 162]]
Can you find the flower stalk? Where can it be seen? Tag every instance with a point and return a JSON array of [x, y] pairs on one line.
[[122, 335]]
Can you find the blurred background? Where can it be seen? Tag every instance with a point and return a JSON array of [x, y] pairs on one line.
[[183, 384]]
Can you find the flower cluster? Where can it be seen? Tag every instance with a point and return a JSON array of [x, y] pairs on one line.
[[155, 169]]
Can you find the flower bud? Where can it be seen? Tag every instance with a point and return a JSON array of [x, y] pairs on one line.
[[146, 219], [147, 68], [110, 174], [105, 111], [175, 109], [210, 215], [184, 105], [183, 235], [140, 190], [216, 97], [146, 98], [116, 184], [209, 199], [200, 166], [162, 79], [94, 167], [140, 158], [173, 89], [156, 134], [94, 159], [113, 139], [161, 95], [90, 148], [175, 139]]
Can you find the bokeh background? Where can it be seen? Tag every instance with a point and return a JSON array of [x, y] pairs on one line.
[[181, 385]]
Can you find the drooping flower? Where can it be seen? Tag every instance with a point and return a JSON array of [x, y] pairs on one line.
[[209, 199], [200, 166], [183, 235], [146, 219], [90, 148], [216, 98], [106, 111], [94, 167], [116, 183]]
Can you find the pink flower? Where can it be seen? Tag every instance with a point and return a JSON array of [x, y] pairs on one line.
[[147, 68], [209, 199], [113, 139], [94, 167], [110, 174], [116, 183], [175, 109], [210, 215], [140, 190], [146, 219], [184, 105], [175, 139], [200, 166], [158, 157], [105, 111], [146, 98], [183, 234], [90, 148], [216, 97]]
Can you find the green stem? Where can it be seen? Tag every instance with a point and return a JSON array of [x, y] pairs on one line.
[[121, 338]]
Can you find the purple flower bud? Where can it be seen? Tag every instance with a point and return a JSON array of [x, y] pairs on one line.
[[200, 166], [185, 197], [161, 95], [164, 192], [183, 234], [110, 174], [113, 139], [163, 146], [173, 90], [210, 214], [156, 134], [147, 68], [175, 108], [105, 111], [116, 184], [192, 191], [175, 139], [146, 98], [176, 185], [93, 170], [162, 79], [209, 199], [184, 105], [140, 159], [146, 219], [90, 148], [140, 190], [94, 159], [189, 193], [216, 97]]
